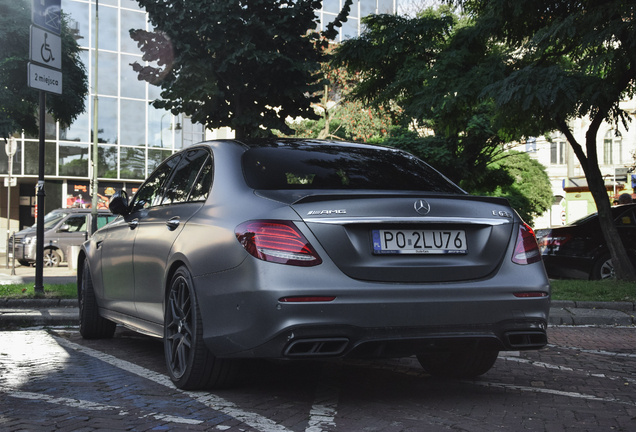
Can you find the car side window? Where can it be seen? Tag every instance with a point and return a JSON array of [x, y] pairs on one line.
[[201, 187], [184, 176], [151, 192], [626, 219], [76, 223], [102, 220]]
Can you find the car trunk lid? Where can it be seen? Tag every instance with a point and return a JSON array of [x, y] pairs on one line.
[[410, 237]]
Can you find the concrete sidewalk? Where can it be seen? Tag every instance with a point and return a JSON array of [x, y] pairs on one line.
[[22, 274], [50, 312]]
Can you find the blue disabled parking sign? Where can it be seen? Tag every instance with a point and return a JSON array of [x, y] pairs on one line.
[[46, 14]]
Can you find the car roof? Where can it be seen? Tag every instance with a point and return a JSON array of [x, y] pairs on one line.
[[302, 142], [616, 211], [79, 210]]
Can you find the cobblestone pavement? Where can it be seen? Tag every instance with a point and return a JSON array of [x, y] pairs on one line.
[[53, 380]]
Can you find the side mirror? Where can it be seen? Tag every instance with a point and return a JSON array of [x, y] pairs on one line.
[[118, 204], [64, 228]]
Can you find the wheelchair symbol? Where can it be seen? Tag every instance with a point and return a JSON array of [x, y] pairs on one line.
[[46, 48]]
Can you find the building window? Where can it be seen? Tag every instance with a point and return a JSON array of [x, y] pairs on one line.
[[134, 137], [557, 150], [613, 148]]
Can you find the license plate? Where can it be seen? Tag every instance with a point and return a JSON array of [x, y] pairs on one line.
[[419, 242]]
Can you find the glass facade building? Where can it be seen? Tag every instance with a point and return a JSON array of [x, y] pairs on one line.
[[133, 136]]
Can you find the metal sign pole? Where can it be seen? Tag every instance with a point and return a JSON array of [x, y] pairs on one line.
[[39, 254], [9, 204], [10, 149], [45, 74], [95, 158]]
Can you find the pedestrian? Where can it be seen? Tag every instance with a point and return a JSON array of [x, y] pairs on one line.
[[625, 199]]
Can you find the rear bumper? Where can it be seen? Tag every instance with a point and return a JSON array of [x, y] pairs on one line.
[[340, 341], [243, 317]]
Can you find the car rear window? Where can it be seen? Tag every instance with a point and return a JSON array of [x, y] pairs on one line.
[[339, 167]]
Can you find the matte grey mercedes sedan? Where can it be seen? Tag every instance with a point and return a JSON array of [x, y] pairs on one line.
[[305, 249]]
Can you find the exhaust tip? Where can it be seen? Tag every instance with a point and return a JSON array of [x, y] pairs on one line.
[[317, 347], [526, 339]]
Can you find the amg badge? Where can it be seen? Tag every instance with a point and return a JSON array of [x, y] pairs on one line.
[[326, 212]]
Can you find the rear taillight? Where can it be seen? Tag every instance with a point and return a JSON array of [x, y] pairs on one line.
[[277, 241], [554, 242], [526, 248]]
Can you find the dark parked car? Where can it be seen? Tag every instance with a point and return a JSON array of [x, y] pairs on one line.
[[579, 250], [298, 249]]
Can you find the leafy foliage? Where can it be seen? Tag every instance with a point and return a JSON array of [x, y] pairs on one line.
[[18, 102], [246, 64], [342, 117], [558, 61], [401, 61], [529, 190]]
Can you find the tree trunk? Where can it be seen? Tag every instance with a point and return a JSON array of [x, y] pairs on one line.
[[324, 133], [239, 133], [623, 268]]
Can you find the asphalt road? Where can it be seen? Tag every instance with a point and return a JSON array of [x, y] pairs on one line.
[[53, 380]]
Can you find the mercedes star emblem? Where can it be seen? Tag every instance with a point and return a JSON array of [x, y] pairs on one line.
[[422, 207]]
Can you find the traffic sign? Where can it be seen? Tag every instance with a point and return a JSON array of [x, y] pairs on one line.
[[42, 78], [47, 14], [14, 181], [46, 48]]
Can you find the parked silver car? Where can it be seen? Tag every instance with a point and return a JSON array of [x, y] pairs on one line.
[[63, 228], [300, 249]]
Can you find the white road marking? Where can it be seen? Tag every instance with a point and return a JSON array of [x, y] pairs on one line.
[[73, 403], [548, 391], [91, 406], [324, 410], [569, 369], [212, 401]]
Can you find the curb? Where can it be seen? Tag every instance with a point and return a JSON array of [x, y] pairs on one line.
[[38, 312], [592, 313], [570, 304], [65, 312], [37, 303]]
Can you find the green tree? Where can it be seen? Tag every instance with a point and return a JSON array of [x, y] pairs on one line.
[[246, 64], [444, 122], [529, 190], [553, 62], [18, 102], [342, 117]]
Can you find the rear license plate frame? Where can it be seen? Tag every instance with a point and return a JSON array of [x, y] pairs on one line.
[[419, 241]]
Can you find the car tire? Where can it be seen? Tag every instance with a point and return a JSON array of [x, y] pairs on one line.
[[603, 268], [92, 324], [458, 364], [24, 263], [190, 363], [51, 258]]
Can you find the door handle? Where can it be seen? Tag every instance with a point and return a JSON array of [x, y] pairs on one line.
[[173, 223], [133, 223]]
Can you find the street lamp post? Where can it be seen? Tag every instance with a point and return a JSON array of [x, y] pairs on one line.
[[94, 162]]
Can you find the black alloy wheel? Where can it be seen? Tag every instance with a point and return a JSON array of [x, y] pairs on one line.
[[190, 364], [603, 268]]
